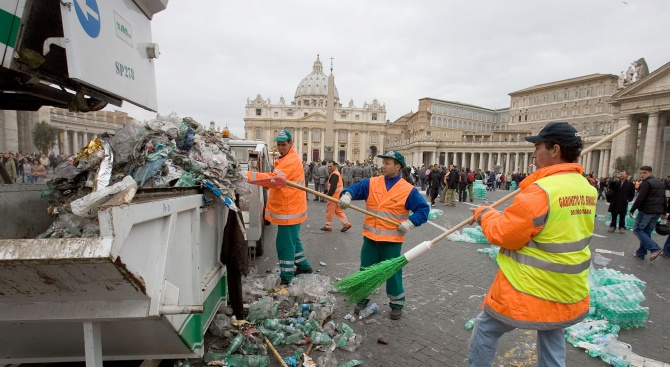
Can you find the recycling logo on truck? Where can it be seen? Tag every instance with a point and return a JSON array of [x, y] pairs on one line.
[[89, 16]]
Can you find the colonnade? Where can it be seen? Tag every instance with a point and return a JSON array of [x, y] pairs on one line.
[[71, 142], [596, 162]]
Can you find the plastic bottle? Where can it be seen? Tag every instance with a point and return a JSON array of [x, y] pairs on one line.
[[321, 338], [470, 324], [352, 363], [236, 343], [239, 360], [351, 344], [293, 338], [367, 311], [345, 329]]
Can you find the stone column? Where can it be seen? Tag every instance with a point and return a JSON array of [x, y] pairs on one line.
[[9, 125], [472, 162], [606, 165], [525, 163], [587, 166], [66, 143], [601, 163], [650, 144], [507, 156], [309, 146]]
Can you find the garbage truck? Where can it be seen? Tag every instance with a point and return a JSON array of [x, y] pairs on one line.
[[77, 54]]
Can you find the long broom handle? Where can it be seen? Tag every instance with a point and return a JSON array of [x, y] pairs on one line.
[[330, 198], [423, 247]]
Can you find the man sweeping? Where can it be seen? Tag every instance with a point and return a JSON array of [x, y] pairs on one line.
[[287, 208], [542, 283], [391, 197]]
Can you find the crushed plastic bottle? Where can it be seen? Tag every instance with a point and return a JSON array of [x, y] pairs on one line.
[[470, 324], [351, 343], [330, 327], [345, 329], [321, 338], [367, 311], [239, 360], [352, 363]]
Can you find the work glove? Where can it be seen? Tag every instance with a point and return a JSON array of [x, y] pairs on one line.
[[345, 200], [405, 226]]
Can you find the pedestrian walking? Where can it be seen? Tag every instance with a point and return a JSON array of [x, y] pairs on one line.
[[621, 192], [287, 208], [650, 204], [434, 184], [334, 187], [462, 185], [542, 282], [451, 183], [316, 178], [391, 197]]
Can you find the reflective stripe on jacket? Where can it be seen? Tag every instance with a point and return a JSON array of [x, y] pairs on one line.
[[339, 187], [544, 260], [286, 205], [389, 204]]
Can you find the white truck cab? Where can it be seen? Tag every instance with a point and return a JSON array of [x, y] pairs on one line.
[[253, 155]]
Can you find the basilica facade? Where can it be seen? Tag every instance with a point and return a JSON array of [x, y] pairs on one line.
[[321, 126]]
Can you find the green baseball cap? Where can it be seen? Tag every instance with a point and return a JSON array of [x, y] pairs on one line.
[[283, 135], [394, 155]]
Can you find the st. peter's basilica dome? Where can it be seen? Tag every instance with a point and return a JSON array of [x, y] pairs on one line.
[[314, 85]]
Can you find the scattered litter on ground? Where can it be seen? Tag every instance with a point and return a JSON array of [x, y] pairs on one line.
[[297, 316]]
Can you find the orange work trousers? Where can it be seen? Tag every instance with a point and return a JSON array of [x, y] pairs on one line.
[[333, 208]]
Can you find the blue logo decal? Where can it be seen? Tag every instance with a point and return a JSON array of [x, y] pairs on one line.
[[89, 16]]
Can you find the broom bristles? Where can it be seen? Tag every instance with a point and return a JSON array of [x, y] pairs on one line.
[[357, 287]]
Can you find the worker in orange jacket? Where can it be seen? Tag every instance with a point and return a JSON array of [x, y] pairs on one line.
[[334, 187], [542, 283], [287, 208]]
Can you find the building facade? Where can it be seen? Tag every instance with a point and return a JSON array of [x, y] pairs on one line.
[[321, 127], [447, 132], [645, 107], [75, 129]]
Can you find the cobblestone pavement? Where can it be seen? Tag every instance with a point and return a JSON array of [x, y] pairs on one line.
[[445, 288]]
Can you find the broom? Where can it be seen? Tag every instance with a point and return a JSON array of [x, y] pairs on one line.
[[357, 287], [281, 181]]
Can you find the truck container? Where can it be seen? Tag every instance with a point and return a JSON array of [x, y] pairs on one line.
[[145, 289]]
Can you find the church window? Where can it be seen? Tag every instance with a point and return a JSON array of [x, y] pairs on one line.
[[374, 117], [289, 114], [305, 135], [257, 133], [555, 97], [373, 138], [565, 96], [316, 135], [576, 94], [304, 114], [588, 92], [601, 90], [258, 112], [276, 114], [356, 117], [342, 135], [343, 115], [544, 99]]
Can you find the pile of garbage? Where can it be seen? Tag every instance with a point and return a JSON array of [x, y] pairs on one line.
[[615, 299], [163, 152], [296, 318]]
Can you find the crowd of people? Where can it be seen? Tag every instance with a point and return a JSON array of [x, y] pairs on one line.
[[20, 168]]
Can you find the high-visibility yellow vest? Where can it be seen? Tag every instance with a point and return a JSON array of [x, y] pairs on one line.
[[554, 265]]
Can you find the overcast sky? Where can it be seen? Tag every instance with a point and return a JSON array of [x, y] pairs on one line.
[[216, 54]]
